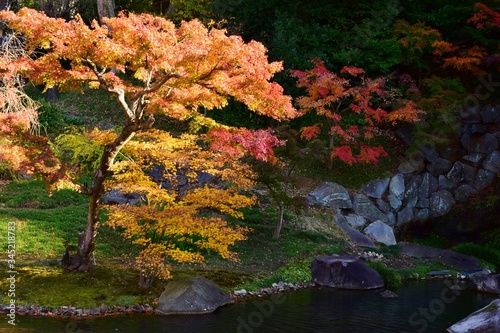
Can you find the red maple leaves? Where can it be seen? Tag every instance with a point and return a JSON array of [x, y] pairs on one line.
[[340, 100]]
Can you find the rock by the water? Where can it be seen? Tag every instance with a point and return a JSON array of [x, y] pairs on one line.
[[490, 113], [192, 295], [344, 272], [428, 186], [381, 232], [387, 294], [452, 258], [489, 283], [485, 320]]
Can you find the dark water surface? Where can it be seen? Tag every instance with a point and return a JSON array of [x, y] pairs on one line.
[[423, 307]]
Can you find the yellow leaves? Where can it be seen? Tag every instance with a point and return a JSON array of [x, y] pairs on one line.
[[94, 84], [177, 232], [179, 220], [224, 201], [141, 74]]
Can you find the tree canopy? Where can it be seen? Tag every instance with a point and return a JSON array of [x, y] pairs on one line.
[[152, 68]]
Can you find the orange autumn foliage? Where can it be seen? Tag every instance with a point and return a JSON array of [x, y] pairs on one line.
[[152, 68]]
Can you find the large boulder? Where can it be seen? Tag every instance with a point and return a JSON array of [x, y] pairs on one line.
[[448, 257], [376, 188], [381, 233], [397, 186], [331, 195], [492, 162], [489, 283], [363, 206], [463, 192], [483, 179], [344, 272], [439, 167], [192, 295], [356, 236], [485, 320]]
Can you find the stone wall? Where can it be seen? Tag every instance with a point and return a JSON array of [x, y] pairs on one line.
[[428, 185]]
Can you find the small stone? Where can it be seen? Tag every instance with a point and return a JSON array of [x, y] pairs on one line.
[[389, 294]]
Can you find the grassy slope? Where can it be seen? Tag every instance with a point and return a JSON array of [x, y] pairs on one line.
[[46, 224]]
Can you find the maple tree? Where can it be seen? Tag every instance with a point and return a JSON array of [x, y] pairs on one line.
[[424, 48], [177, 220], [334, 97], [151, 67], [278, 176], [485, 16]]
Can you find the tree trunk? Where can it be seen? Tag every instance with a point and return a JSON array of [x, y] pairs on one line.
[[145, 280], [330, 158], [105, 8], [83, 259], [279, 222]]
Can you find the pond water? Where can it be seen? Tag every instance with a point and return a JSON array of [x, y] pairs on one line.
[[428, 307]]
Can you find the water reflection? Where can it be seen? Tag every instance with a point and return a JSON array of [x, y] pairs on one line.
[[428, 307]]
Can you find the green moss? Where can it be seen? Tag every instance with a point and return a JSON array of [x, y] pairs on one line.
[[486, 254], [491, 308], [52, 286], [392, 278]]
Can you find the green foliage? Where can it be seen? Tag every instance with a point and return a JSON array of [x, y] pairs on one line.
[[433, 241], [392, 278], [103, 285], [238, 115], [389, 251], [341, 33], [443, 98], [420, 268], [297, 271], [486, 254], [53, 119], [6, 172], [79, 150]]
